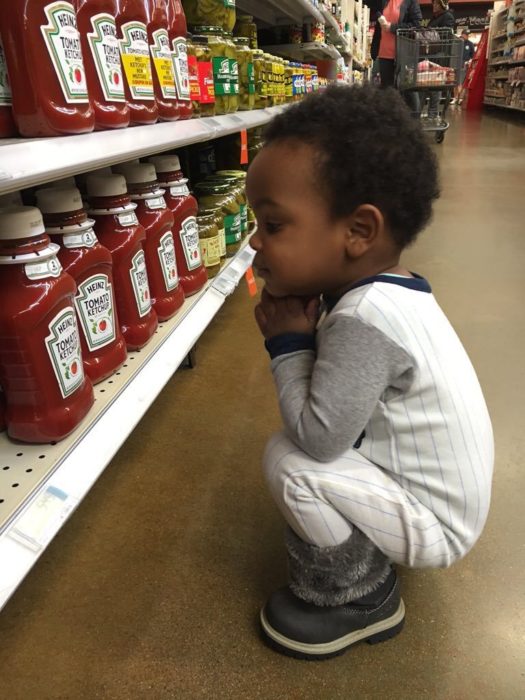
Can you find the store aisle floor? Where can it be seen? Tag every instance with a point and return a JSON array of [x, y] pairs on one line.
[[153, 588]]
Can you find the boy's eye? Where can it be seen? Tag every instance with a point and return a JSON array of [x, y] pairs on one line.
[[273, 227]]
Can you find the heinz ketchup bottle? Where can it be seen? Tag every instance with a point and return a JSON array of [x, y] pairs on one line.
[[101, 52], [91, 266], [162, 63], [177, 32], [193, 275], [132, 29], [41, 371], [118, 229], [44, 60], [157, 220]]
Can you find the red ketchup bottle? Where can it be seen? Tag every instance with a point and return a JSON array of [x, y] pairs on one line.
[[47, 394], [162, 63], [192, 273], [2, 411], [44, 59], [101, 52], [157, 220], [132, 29], [118, 229], [7, 123], [177, 32], [91, 266]]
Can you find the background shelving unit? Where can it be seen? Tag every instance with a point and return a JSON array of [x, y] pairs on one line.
[[505, 82]]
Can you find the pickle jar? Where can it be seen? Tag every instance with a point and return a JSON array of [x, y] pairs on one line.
[[288, 81], [238, 178], [232, 56], [213, 194], [201, 76], [209, 243], [246, 27], [246, 75], [268, 72], [218, 217], [220, 66], [219, 13], [261, 94]]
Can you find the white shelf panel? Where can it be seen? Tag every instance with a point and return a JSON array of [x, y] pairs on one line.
[[281, 11], [41, 485], [29, 162]]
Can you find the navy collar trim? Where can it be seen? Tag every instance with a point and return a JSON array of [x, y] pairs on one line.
[[416, 283]]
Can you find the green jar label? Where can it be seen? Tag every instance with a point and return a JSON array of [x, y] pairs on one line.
[[222, 76], [251, 79], [234, 76], [229, 3], [244, 218], [232, 228]]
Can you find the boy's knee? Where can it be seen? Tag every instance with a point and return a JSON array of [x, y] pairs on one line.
[[277, 460]]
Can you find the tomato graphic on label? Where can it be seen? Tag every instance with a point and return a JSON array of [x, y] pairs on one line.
[[103, 325], [146, 294], [116, 78], [74, 367]]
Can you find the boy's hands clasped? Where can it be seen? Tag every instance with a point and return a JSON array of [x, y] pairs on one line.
[[278, 315]]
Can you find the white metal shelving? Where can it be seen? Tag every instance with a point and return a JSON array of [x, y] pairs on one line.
[[41, 485], [28, 162]]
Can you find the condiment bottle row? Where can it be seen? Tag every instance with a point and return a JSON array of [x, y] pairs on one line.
[[85, 284]]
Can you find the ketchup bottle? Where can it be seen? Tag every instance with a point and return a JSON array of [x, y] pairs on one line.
[[177, 32], [157, 220], [2, 411], [44, 59], [7, 123], [91, 266], [117, 228], [41, 371], [101, 51], [162, 63], [193, 275], [131, 22]]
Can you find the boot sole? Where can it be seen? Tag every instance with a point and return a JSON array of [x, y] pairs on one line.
[[378, 632]]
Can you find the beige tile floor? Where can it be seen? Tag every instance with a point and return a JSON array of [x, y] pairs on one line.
[[152, 589]]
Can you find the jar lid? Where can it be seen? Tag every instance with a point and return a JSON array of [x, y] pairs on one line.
[[55, 200], [239, 174], [20, 222], [244, 18], [121, 168], [106, 185], [258, 52], [214, 187], [200, 39], [241, 40], [166, 163], [207, 29], [141, 174], [205, 216]]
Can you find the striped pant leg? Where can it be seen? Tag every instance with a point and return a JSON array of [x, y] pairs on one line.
[[323, 501]]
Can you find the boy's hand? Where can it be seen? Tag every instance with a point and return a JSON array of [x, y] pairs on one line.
[[275, 316]]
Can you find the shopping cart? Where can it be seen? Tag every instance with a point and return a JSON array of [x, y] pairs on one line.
[[428, 68]]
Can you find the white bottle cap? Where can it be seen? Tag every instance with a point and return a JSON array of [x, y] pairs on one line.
[[20, 222], [166, 163], [122, 167], [106, 185], [56, 200], [141, 173]]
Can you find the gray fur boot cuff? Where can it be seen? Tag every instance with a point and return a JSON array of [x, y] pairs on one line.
[[335, 575]]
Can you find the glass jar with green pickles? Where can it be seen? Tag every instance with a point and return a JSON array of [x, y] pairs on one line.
[[288, 81], [237, 178], [209, 243], [240, 176], [220, 66], [202, 88], [218, 194], [268, 75], [220, 13], [261, 93], [231, 54], [246, 75], [218, 217], [245, 26]]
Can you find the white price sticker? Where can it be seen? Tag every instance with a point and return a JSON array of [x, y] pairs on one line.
[[42, 520]]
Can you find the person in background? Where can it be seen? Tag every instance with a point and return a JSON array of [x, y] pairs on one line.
[[391, 16], [469, 49], [442, 18]]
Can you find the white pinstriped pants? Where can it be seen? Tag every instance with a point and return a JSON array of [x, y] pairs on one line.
[[321, 501]]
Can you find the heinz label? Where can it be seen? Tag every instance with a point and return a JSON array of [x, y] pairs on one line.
[[136, 62], [63, 347], [189, 236], [166, 251], [106, 56], [139, 280], [94, 304]]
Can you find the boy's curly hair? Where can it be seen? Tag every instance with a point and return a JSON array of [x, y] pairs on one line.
[[371, 151]]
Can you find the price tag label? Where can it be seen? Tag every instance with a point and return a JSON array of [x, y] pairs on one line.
[[42, 520], [251, 282], [244, 147]]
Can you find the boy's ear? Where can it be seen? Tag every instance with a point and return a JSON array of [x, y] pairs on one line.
[[365, 225]]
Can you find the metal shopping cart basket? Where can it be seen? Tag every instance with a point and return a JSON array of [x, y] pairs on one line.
[[428, 68]]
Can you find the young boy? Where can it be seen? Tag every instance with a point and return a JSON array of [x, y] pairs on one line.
[[387, 452]]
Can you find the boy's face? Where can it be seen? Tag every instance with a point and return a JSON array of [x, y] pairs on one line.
[[300, 248]]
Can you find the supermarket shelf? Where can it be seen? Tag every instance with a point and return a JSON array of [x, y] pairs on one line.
[[332, 23], [29, 162], [281, 11], [41, 485], [499, 104], [306, 51]]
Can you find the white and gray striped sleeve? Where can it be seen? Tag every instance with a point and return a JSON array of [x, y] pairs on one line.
[[327, 396]]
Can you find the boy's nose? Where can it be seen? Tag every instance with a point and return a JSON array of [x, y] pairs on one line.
[[255, 240]]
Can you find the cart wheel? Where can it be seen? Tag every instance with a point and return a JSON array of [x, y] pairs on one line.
[[440, 136]]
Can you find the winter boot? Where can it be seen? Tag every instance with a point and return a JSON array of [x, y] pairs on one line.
[[337, 596]]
